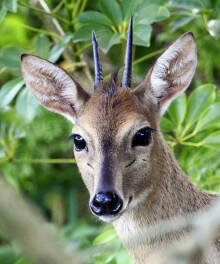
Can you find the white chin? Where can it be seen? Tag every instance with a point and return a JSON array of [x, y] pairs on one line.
[[110, 218]]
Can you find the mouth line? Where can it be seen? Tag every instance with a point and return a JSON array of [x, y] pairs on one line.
[[133, 161], [129, 201]]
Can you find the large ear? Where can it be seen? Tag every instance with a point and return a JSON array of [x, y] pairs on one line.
[[171, 74], [54, 88]]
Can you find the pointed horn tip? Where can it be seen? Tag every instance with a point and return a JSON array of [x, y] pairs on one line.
[[131, 24], [93, 36]]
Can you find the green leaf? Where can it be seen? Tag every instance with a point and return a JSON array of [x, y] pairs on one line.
[[58, 49], [177, 109], [179, 22], [107, 39], [128, 8], [142, 34], [212, 140], [3, 12], [26, 106], [42, 46], [105, 36], [151, 13], [197, 4], [214, 28], [211, 118], [10, 58], [84, 33], [105, 237], [94, 17], [7, 254], [11, 5], [166, 125], [158, 2], [199, 101], [9, 91], [112, 10]]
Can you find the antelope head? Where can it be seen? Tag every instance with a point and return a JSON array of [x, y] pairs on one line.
[[116, 129]]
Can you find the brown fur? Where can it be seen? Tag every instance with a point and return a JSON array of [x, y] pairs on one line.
[[171, 194], [148, 178]]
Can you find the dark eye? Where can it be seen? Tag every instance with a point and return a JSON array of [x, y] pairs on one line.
[[79, 142], [142, 137]]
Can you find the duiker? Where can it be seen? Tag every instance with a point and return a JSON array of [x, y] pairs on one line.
[[132, 176]]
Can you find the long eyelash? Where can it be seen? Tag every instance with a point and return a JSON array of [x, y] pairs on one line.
[[71, 137]]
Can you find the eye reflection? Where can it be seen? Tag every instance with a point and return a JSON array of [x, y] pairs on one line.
[[79, 142], [142, 137]]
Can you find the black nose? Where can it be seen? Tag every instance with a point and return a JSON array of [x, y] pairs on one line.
[[106, 203]]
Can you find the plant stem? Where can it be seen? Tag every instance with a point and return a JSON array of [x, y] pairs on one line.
[[192, 144], [148, 56], [83, 6], [187, 127], [43, 12], [57, 8], [191, 135], [38, 161], [80, 51], [75, 10], [42, 31]]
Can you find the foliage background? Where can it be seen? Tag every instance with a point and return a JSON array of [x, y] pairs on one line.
[[35, 157]]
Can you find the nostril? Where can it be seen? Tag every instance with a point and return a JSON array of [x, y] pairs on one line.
[[106, 203]]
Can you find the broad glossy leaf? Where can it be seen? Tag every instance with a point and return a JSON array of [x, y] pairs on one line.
[[150, 14], [3, 12], [197, 4], [112, 10], [166, 125], [212, 140], [9, 90], [199, 101], [107, 39], [26, 105], [105, 237], [11, 5], [42, 46], [179, 22], [142, 34], [10, 58], [58, 49], [214, 28], [94, 17], [149, 2], [177, 109], [128, 8], [85, 32], [211, 118], [105, 36]]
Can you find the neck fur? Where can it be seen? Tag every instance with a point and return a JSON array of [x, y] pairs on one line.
[[171, 195]]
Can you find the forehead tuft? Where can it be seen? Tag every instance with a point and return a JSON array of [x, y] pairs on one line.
[[110, 106]]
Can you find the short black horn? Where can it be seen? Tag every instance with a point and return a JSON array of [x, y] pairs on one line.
[[98, 68], [126, 79]]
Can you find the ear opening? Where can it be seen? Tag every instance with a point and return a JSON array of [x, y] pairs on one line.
[[53, 87], [171, 74]]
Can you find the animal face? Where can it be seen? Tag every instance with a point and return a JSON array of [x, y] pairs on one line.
[[116, 129], [117, 135]]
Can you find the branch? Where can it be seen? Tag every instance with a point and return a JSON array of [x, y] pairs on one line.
[[83, 76], [23, 223]]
